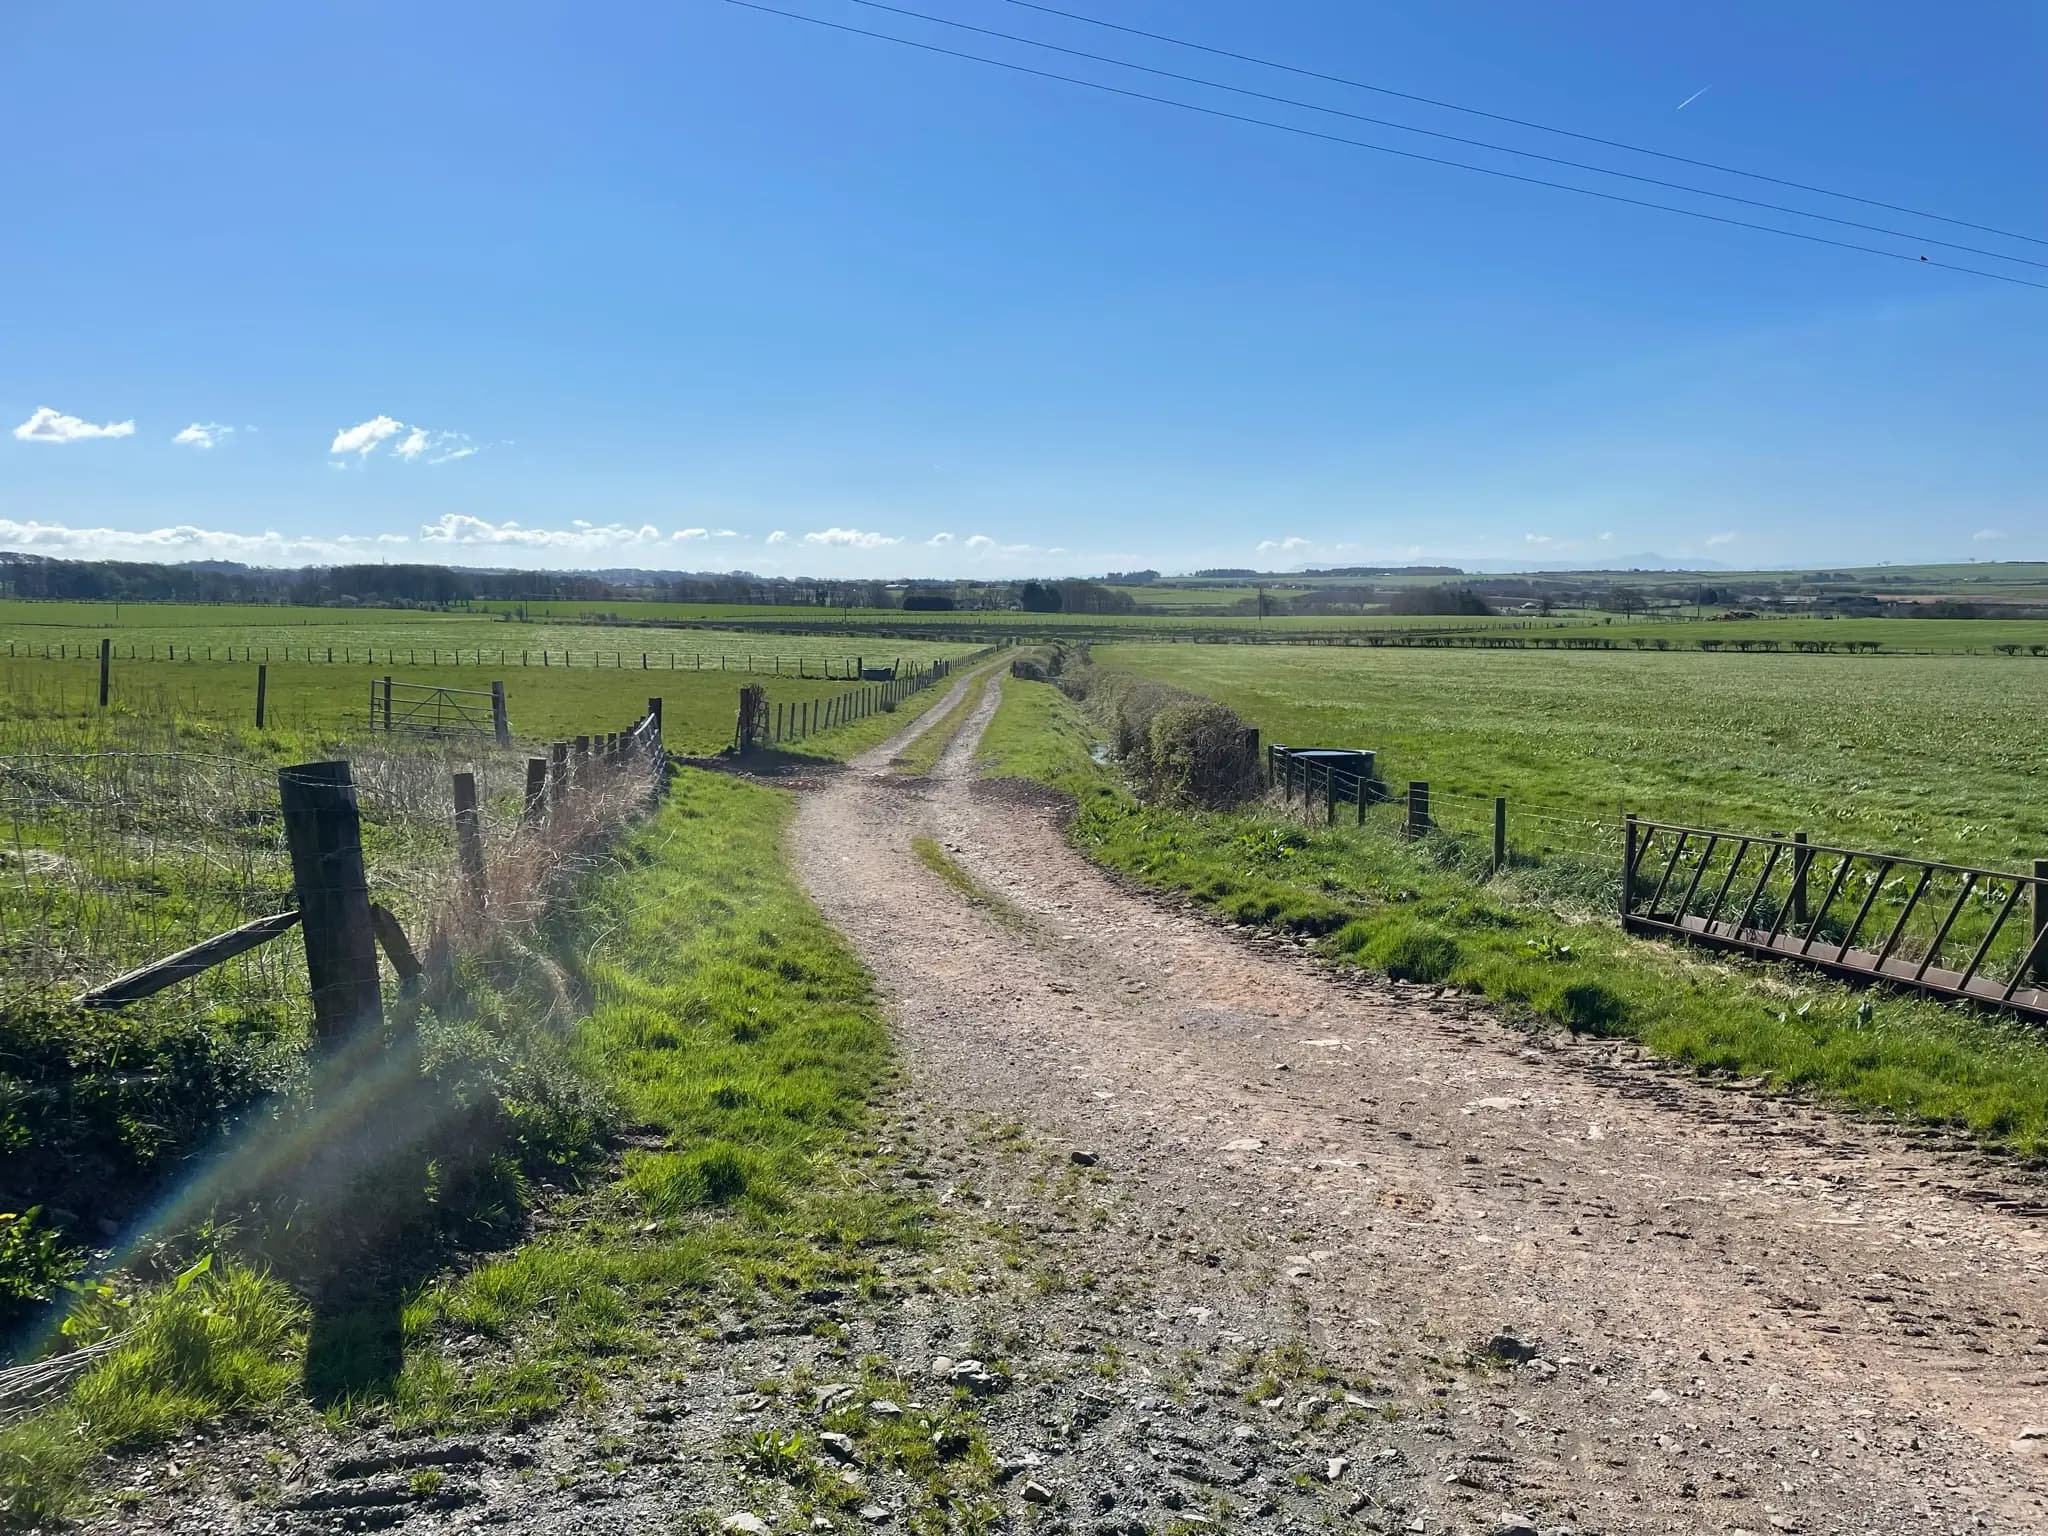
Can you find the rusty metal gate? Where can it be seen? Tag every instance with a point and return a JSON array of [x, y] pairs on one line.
[[1944, 929]]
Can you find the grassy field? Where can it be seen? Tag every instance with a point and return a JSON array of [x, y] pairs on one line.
[[619, 634], [1425, 911], [1932, 756], [481, 638]]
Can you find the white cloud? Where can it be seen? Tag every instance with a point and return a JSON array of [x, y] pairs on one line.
[[362, 438], [1285, 546], [939, 540], [48, 426], [691, 533], [461, 528], [418, 442], [1606, 536], [1987, 535], [851, 538], [1721, 538], [1536, 538], [778, 537], [169, 544], [204, 434], [981, 546]]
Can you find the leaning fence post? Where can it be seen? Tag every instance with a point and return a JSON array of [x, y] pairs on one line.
[[2040, 977], [106, 666], [469, 839], [323, 831], [536, 790], [262, 688], [1628, 866], [1500, 833], [500, 724]]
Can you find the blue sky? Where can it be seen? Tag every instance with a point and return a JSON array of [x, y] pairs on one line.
[[650, 284]]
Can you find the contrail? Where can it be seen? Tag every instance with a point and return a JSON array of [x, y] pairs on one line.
[[1695, 96]]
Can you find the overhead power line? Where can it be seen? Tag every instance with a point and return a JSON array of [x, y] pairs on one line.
[[1450, 138], [1520, 122], [1383, 149]]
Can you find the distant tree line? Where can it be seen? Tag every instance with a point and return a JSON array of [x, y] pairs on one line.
[[440, 587]]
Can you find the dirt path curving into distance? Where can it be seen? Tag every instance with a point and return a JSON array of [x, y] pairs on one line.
[[1746, 1315]]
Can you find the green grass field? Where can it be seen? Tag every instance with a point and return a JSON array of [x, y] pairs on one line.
[[1922, 755], [613, 633], [480, 638]]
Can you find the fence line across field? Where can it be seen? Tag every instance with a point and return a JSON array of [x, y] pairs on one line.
[[816, 668]]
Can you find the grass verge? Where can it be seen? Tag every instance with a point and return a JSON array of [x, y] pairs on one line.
[[1404, 909], [741, 1043]]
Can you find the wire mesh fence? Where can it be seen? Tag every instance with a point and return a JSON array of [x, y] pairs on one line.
[[115, 857]]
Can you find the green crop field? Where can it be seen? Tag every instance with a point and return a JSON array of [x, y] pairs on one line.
[[480, 638], [1936, 756]]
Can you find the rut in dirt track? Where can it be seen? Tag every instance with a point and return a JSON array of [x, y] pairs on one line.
[[1748, 1315]]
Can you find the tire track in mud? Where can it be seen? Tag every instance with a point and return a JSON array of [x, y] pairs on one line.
[[1745, 1313]]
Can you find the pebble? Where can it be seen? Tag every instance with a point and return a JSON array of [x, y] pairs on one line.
[[1035, 1492], [745, 1525]]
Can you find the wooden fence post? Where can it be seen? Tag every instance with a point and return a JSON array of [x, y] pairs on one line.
[[323, 831], [1500, 833], [500, 724], [106, 667], [1628, 866], [579, 766], [1418, 808], [536, 790], [469, 840], [387, 701], [262, 688], [1329, 794]]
